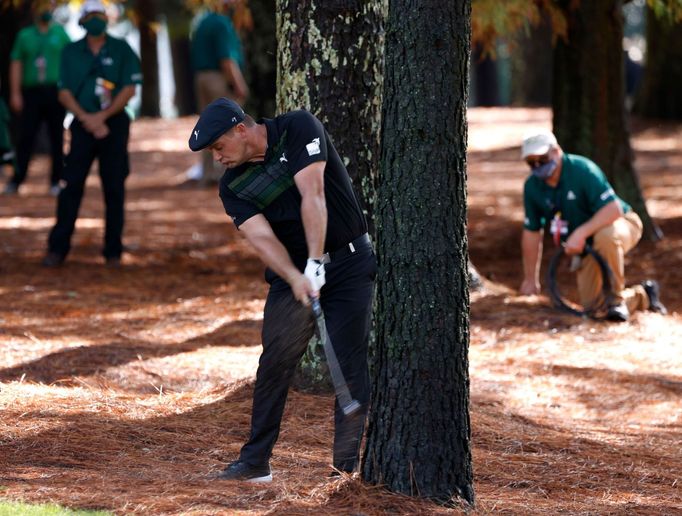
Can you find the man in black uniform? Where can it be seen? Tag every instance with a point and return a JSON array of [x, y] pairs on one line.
[[288, 191]]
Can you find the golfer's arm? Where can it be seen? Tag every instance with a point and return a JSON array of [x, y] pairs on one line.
[[271, 251], [310, 183], [71, 104], [531, 249], [120, 101], [606, 215]]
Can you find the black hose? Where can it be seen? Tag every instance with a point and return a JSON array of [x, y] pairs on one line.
[[562, 303]]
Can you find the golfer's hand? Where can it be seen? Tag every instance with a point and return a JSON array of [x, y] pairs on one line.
[[314, 271], [302, 289], [575, 243], [529, 287]]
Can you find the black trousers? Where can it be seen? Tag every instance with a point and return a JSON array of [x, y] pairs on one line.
[[112, 152], [288, 326], [40, 103]]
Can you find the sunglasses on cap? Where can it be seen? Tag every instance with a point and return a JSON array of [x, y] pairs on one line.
[[539, 161]]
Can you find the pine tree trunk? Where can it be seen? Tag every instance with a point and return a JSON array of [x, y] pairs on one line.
[[660, 95], [149, 57], [418, 437], [329, 61], [589, 98]]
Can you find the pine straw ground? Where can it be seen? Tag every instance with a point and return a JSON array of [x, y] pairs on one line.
[[126, 389]]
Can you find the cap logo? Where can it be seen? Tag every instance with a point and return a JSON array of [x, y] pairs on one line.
[[234, 118], [196, 134]]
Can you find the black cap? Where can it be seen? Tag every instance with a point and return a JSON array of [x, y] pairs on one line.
[[216, 119]]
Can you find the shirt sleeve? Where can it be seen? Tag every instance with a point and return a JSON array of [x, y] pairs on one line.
[[306, 142], [131, 72], [66, 75], [224, 40], [533, 219], [596, 187], [239, 210]]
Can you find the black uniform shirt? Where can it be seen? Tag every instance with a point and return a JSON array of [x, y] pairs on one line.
[[295, 140]]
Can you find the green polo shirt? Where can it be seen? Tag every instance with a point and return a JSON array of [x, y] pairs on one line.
[[85, 74], [215, 39], [39, 53], [582, 191]]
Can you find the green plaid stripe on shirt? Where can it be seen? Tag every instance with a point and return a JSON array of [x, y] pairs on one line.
[[262, 184]]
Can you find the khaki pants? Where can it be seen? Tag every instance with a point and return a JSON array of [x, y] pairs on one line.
[[210, 85], [612, 243]]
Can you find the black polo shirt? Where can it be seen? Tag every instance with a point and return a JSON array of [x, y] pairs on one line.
[[295, 140]]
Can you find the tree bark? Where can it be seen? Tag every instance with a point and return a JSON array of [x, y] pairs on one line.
[[329, 62], [418, 437], [589, 98], [660, 95], [149, 57]]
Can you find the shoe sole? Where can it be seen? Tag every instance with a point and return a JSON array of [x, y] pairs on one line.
[[255, 480], [260, 480]]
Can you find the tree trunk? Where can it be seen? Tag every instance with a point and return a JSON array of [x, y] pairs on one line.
[[329, 61], [260, 49], [178, 19], [418, 438], [485, 84], [660, 95], [589, 98], [531, 65], [149, 57]]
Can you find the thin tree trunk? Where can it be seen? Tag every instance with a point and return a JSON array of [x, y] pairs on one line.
[[531, 67], [660, 95], [418, 437], [147, 12], [589, 98], [260, 49], [329, 61]]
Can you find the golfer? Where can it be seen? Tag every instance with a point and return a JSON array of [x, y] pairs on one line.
[[289, 193]]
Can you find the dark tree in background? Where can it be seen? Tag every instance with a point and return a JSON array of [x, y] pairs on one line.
[[660, 94], [147, 12], [589, 97], [531, 63], [260, 48], [418, 438]]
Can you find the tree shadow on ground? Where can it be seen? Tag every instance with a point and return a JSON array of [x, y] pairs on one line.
[[65, 364]]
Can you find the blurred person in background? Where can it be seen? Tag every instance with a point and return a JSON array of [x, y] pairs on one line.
[[33, 75], [217, 61]]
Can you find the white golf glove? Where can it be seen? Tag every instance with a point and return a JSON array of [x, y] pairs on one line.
[[314, 271]]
